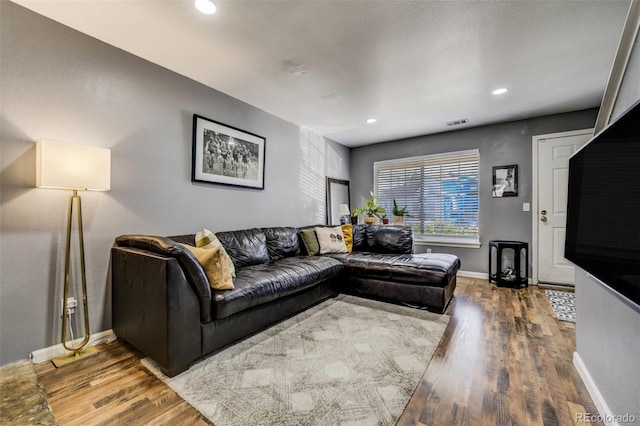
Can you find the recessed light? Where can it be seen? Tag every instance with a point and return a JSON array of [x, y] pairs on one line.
[[371, 120], [206, 7], [500, 91]]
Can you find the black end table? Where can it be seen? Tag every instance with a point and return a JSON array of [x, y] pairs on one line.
[[512, 274]]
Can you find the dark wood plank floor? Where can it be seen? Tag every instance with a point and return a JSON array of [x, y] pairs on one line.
[[504, 359]]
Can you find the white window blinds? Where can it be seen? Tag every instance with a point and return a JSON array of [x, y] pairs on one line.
[[440, 192]]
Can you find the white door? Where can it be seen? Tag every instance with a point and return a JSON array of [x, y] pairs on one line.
[[553, 152]]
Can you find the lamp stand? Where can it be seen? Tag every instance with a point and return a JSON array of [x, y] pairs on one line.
[[77, 352]]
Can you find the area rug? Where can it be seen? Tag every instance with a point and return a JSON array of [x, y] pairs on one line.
[[22, 400], [563, 304], [346, 361]]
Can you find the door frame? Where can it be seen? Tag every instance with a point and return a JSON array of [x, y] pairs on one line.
[[535, 140]]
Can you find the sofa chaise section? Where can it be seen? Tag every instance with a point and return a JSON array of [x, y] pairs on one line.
[[417, 280], [383, 266]]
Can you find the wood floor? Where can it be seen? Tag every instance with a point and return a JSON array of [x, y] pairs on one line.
[[504, 359]]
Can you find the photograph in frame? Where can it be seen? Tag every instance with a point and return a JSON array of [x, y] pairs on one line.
[[505, 181], [226, 155]]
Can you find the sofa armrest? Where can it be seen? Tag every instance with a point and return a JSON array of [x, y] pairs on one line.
[[190, 265], [154, 308]]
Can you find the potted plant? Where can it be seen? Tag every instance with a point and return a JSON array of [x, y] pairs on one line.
[[399, 213], [370, 210], [385, 219]]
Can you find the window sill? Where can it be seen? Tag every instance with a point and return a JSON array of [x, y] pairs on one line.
[[447, 242]]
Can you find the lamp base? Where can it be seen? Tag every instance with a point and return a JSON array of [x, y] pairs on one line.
[[69, 358]]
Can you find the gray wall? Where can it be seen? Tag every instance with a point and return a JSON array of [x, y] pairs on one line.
[[607, 328], [60, 84], [499, 144]]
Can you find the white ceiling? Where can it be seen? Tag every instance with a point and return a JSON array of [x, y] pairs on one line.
[[413, 65]]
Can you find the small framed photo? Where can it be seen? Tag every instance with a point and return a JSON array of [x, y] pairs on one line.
[[505, 181], [225, 155]]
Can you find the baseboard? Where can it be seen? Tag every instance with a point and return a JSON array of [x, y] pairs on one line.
[[42, 355], [470, 274], [559, 287], [605, 415], [480, 275]]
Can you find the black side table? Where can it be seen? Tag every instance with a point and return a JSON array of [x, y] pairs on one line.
[[511, 274]]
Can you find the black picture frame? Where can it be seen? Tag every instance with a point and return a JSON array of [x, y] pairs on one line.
[[505, 181], [226, 155]]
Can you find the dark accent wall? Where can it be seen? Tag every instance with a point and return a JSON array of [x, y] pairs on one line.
[[499, 144]]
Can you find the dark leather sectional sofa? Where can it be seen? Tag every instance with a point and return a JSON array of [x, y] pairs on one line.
[[164, 307]]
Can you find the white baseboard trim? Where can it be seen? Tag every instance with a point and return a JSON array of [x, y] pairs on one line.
[[480, 275], [470, 274], [605, 415], [42, 355]]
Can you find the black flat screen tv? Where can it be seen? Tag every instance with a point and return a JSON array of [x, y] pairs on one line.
[[603, 208]]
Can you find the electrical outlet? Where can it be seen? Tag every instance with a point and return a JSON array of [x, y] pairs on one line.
[[428, 251], [72, 304]]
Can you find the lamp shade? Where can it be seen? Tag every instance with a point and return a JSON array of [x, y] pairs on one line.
[[343, 210], [72, 166]]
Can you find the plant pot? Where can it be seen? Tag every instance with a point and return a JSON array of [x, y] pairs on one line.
[[370, 220], [398, 220], [354, 220], [385, 221]]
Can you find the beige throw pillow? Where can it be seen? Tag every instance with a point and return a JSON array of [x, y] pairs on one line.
[[215, 266], [331, 240], [207, 239]]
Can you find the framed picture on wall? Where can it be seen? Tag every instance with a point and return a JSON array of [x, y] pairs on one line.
[[225, 155], [505, 181]]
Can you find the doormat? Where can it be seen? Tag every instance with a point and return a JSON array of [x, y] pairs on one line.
[[563, 304], [345, 361]]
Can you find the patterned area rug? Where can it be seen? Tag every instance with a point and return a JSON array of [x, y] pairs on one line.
[[347, 361], [22, 400], [563, 304]]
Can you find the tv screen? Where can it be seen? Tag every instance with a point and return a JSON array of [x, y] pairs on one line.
[[603, 209]]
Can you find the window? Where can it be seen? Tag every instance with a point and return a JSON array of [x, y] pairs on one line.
[[440, 192]]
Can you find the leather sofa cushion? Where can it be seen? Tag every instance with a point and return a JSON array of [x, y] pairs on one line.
[[258, 284], [184, 239], [245, 247], [359, 237], [282, 242], [435, 269], [389, 239]]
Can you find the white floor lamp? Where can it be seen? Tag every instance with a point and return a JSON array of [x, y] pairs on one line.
[[75, 167]]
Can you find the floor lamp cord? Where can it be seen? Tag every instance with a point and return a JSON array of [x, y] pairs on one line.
[[70, 326]]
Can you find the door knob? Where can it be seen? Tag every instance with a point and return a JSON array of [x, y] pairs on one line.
[[543, 217]]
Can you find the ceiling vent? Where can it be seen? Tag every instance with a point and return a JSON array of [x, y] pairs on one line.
[[457, 122]]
